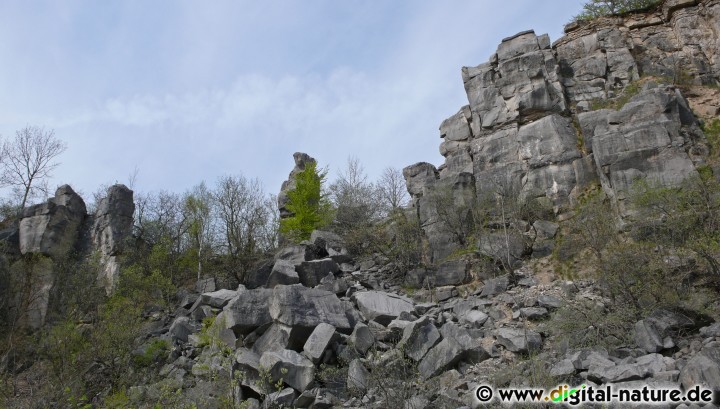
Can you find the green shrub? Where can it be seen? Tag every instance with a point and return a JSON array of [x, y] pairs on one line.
[[599, 8], [153, 353]]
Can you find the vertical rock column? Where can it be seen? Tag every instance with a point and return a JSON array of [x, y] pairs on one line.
[[111, 228], [48, 232]]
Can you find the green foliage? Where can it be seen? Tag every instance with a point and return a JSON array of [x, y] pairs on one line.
[[309, 205], [712, 133], [139, 285], [153, 353], [618, 101], [112, 340], [599, 8], [586, 324]]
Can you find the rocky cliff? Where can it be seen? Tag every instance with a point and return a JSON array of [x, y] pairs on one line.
[[602, 105], [51, 233]]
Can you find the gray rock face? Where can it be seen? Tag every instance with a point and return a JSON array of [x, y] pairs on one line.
[[418, 338], [358, 376], [440, 358], [294, 369], [51, 228], [218, 299], [301, 307], [455, 272], [312, 272], [382, 307], [361, 338], [282, 273], [703, 368], [528, 129], [248, 311], [519, 340], [111, 228], [319, 341]]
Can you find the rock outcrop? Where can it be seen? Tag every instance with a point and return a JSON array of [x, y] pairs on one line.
[[48, 231], [112, 226], [533, 130]]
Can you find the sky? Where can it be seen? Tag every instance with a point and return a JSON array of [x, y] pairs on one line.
[[188, 91]]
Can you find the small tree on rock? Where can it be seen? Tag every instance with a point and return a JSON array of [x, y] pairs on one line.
[[598, 8], [310, 207]]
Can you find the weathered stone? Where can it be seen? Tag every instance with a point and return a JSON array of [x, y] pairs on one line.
[[418, 338], [276, 338], [549, 301], [282, 273], [217, 299], [181, 328], [361, 338], [294, 369], [380, 306], [112, 226], [51, 228], [301, 307], [519, 340], [248, 311], [311, 272], [495, 286], [358, 377], [703, 368], [454, 272], [318, 341], [533, 313], [473, 318], [440, 358]]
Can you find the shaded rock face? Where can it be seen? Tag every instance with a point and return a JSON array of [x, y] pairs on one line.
[[529, 129], [112, 226], [51, 228]]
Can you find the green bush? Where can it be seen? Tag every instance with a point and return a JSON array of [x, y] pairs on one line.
[[310, 207], [599, 8]]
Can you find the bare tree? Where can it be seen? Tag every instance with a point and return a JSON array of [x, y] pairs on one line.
[[245, 217], [354, 196], [30, 160], [392, 189]]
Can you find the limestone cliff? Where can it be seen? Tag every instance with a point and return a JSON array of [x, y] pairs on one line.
[[533, 124]]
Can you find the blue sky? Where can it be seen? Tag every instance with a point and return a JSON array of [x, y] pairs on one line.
[[187, 91]]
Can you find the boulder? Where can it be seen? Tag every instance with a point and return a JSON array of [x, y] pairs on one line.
[[443, 356], [519, 340], [418, 338], [276, 338], [282, 273], [358, 377], [301, 307], [289, 366], [218, 299], [703, 368], [248, 311], [361, 338], [312, 272], [319, 341], [380, 306]]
